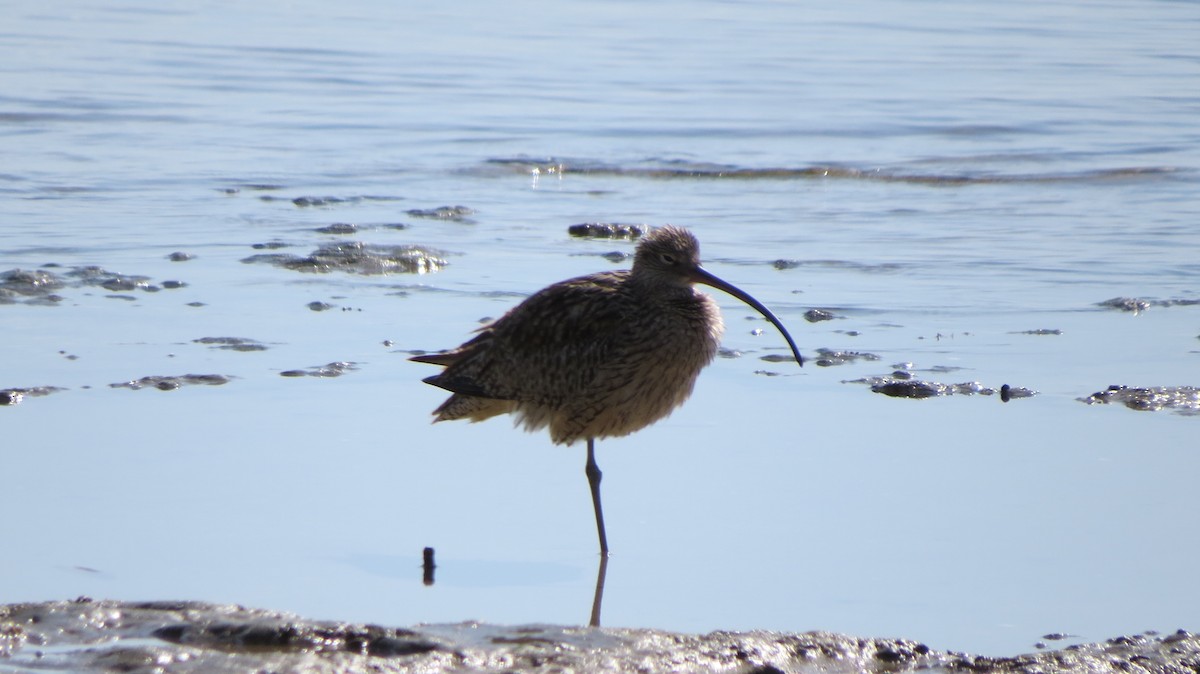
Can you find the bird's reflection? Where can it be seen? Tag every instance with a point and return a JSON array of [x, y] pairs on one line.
[[427, 567], [598, 598]]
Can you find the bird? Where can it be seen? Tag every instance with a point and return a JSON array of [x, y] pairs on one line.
[[597, 356]]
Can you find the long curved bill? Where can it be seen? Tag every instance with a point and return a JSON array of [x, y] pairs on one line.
[[702, 275]]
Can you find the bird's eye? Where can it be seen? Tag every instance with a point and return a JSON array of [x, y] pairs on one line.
[[667, 258]]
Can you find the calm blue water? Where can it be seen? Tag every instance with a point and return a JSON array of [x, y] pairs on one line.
[[942, 178]]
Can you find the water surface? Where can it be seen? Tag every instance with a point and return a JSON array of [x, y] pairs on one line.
[[942, 179]]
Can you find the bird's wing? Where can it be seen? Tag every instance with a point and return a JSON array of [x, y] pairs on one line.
[[551, 344]]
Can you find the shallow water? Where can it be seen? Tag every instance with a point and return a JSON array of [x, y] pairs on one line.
[[942, 180]]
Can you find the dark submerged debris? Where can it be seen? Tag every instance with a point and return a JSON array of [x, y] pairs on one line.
[[170, 383], [320, 306], [607, 230], [455, 213], [271, 245], [335, 369], [178, 256], [1180, 399], [1040, 331], [173, 637], [359, 258], [427, 566], [232, 343]]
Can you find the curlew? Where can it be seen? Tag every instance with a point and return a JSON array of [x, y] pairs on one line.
[[597, 356]]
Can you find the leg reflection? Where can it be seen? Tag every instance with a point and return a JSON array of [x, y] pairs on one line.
[[598, 599]]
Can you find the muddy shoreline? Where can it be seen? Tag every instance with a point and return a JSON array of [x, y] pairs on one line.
[[181, 636]]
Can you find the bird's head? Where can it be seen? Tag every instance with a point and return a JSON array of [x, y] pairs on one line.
[[670, 255]]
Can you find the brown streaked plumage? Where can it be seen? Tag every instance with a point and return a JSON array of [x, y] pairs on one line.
[[596, 356]]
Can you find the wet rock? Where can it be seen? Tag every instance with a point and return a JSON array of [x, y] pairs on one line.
[[257, 187], [335, 369], [171, 637], [911, 388], [124, 283], [173, 285], [14, 396], [1129, 304], [818, 315], [1181, 399], [305, 202], [178, 256], [831, 358], [1137, 305], [616, 256], [320, 306], [29, 283], [455, 213], [170, 383], [338, 228], [1008, 393], [785, 264], [92, 275], [232, 343], [358, 258], [607, 230], [904, 384]]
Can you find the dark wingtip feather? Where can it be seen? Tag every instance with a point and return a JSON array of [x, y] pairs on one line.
[[457, 384]]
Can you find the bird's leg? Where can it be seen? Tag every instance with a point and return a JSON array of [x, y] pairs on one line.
[[593, 476]]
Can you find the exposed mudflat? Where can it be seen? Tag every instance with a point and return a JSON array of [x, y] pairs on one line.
[[168, 636]]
